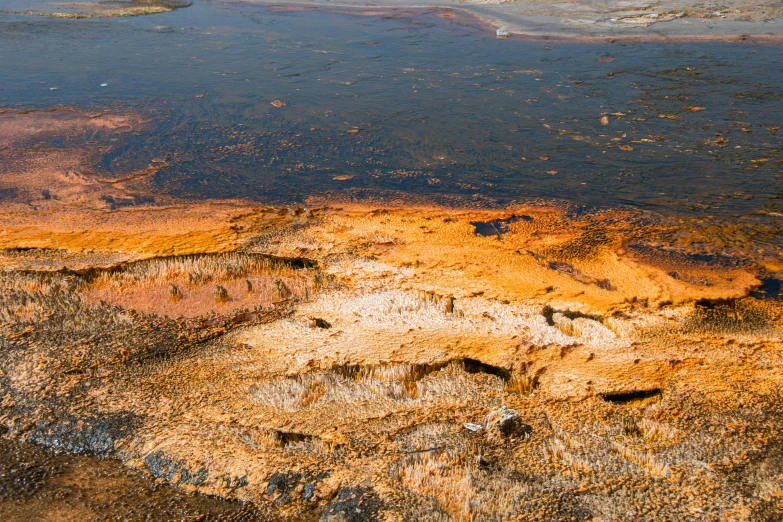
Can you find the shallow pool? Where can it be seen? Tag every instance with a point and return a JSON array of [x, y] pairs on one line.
[[282, 105]]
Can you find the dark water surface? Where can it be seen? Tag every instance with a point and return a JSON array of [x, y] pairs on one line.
[[443, 111]]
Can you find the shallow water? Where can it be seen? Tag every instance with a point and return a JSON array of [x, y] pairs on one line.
[[443, 110]]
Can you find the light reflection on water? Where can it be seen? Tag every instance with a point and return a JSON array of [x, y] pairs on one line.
[[414, 104]]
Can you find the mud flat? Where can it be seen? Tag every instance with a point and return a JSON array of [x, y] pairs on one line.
[[355, 362]]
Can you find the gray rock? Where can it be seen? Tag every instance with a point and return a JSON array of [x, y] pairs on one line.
[[503, 423], [353, 505]]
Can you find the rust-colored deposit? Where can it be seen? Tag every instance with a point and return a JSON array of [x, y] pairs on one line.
[[354, 363], [53, 199]]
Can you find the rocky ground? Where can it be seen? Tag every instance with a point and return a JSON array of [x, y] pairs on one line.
[[347, 362]]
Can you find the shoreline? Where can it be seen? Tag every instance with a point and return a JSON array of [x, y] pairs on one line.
[[568, 20], [596, 27], [57, 195]]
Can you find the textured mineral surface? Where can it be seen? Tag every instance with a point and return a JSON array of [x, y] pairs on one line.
[[347, 362]]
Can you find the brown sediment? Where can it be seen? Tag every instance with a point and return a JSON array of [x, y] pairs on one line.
[[642, 376], [42, 175], [57, 202]]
